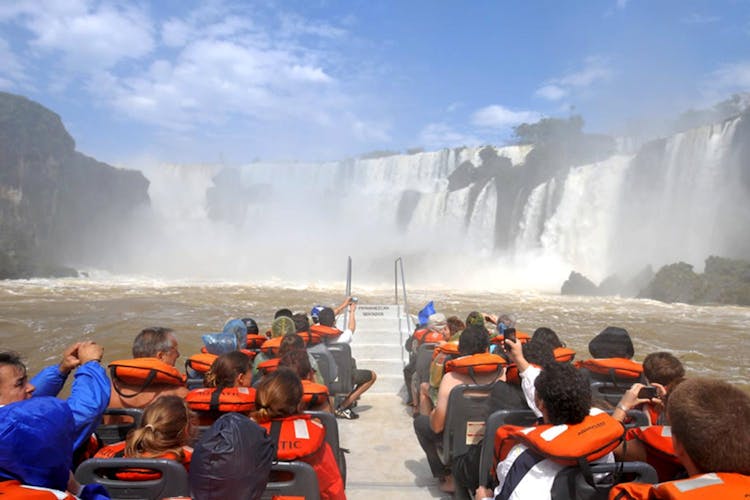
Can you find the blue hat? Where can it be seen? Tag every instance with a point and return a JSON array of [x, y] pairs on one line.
[[315, 312]]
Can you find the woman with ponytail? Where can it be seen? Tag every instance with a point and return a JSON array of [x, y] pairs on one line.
[[166, 430], [227, 389], [279, 403]]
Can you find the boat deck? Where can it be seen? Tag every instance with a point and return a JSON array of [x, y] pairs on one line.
[[385, 459]]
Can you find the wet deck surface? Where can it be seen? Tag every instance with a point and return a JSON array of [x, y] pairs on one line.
[[386, 459]]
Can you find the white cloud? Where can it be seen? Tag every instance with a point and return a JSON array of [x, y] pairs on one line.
[[621, 4], [441, 135], [551, 92], [11, 69], [83, 34], [496, 116], [595, 70], [230, 70], [727, 79]]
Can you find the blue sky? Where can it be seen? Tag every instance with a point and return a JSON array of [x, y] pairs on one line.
[[220, 81]]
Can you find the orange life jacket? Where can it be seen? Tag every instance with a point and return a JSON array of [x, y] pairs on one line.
[[427, 336], [448, 348], [200, 362], [269, 366], [617, 368], [566, 444], [117, 450], [313, 394], [271, 346], [657, 441], [654, 413], [476, 364], [724, 485], [522, 336], [254, 341], [440, 356], [142, 372], [296, 437], [228, 399], [247, 352], [14, 490], [562, 355], [325, 332]]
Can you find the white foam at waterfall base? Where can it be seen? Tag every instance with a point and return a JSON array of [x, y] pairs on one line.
[[297, 222]]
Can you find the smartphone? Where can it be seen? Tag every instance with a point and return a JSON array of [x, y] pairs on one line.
[[647, 392], [510, 334]]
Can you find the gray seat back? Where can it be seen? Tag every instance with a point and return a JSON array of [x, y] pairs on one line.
[[332, 438], [342, 353], [464, 420], [114, 433], [303, 482], [172, 483], [525, 418], [573, 483]]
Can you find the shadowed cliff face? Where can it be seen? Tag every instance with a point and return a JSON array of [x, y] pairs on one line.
[[57, 206]]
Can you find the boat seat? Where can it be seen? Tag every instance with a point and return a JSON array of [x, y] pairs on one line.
[[332, 438], [573, 483], [525, 418], [465, 419], [299, 480], [172, 483], [114, 433]]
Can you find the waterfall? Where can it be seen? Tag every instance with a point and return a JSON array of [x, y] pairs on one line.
[[679, 198]]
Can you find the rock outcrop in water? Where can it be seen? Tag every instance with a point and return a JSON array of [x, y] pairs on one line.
[[724, 281], [57, 206], [578, 284]]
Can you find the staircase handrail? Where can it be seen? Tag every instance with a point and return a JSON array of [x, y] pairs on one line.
[[398, 265]]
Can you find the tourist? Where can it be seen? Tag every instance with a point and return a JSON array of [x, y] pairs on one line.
[[362, 379], [710, 425], [232, 459], [41, 432], [154, 347], [166, 430], [429, 428], [297, 436]]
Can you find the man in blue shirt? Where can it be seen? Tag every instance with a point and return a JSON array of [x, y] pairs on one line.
[[57, 424]]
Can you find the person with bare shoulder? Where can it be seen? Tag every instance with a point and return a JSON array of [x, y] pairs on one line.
[[429, 428], [150, 374]]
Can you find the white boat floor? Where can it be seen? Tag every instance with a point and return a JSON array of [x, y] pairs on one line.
[[385, 458]]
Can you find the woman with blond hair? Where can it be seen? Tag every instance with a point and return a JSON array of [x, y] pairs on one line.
[[166, 430], [297, 436]]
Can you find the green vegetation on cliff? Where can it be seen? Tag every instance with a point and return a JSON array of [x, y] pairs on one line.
[[57, 206], [724, 281]]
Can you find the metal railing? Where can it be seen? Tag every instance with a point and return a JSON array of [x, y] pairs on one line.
[[398, 266], [348, 289]]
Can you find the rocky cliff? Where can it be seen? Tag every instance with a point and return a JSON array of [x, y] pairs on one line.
[[58, 207]]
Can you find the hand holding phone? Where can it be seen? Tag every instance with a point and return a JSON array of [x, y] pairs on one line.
[[647, 392], [510, 334]]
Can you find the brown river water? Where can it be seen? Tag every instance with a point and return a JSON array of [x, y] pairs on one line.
[[38, 318]]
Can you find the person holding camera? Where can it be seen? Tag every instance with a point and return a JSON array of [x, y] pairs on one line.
[[362, 380]]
